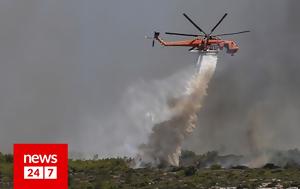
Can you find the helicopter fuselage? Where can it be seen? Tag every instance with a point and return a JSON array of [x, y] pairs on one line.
[[202, 45]]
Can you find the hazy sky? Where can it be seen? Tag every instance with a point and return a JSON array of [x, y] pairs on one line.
[[65, 65]]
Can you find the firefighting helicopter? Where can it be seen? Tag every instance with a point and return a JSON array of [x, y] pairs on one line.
[[203, 42]]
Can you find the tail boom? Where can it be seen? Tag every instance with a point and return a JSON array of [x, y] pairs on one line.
[[183, 43]]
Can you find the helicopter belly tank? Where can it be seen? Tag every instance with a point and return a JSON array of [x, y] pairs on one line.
[[204, 51]]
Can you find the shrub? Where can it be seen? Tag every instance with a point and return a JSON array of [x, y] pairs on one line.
[[190, 171], [270, 166], [215, 167]]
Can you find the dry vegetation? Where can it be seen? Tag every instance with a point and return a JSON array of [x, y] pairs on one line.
[[115, 173]]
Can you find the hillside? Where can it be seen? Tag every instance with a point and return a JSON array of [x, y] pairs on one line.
[[115, 173]]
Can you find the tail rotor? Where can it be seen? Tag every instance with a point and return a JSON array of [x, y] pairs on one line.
[[155, 36]]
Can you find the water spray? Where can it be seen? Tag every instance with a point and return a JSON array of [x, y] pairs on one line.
[[165, 141]]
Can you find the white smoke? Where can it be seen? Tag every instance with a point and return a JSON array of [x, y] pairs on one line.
[[144, 104], [165, 141]]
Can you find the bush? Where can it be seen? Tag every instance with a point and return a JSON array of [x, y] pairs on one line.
[[190, 171], [215, 167], [241, 167], [270, 166]]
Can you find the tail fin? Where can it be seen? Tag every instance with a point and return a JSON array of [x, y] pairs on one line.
[[156, 34], [156, 37]]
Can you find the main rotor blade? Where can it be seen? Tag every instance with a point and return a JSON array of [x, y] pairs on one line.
[[223, 34], [192, 48], [182, 34], [186, 16], [212, 30]]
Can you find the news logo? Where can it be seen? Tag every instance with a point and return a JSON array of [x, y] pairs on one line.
[[40, 166]]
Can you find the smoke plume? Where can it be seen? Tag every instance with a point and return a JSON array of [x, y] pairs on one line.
[[165, 141]]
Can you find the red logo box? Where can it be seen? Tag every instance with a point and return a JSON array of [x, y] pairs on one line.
[[40, 166]]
